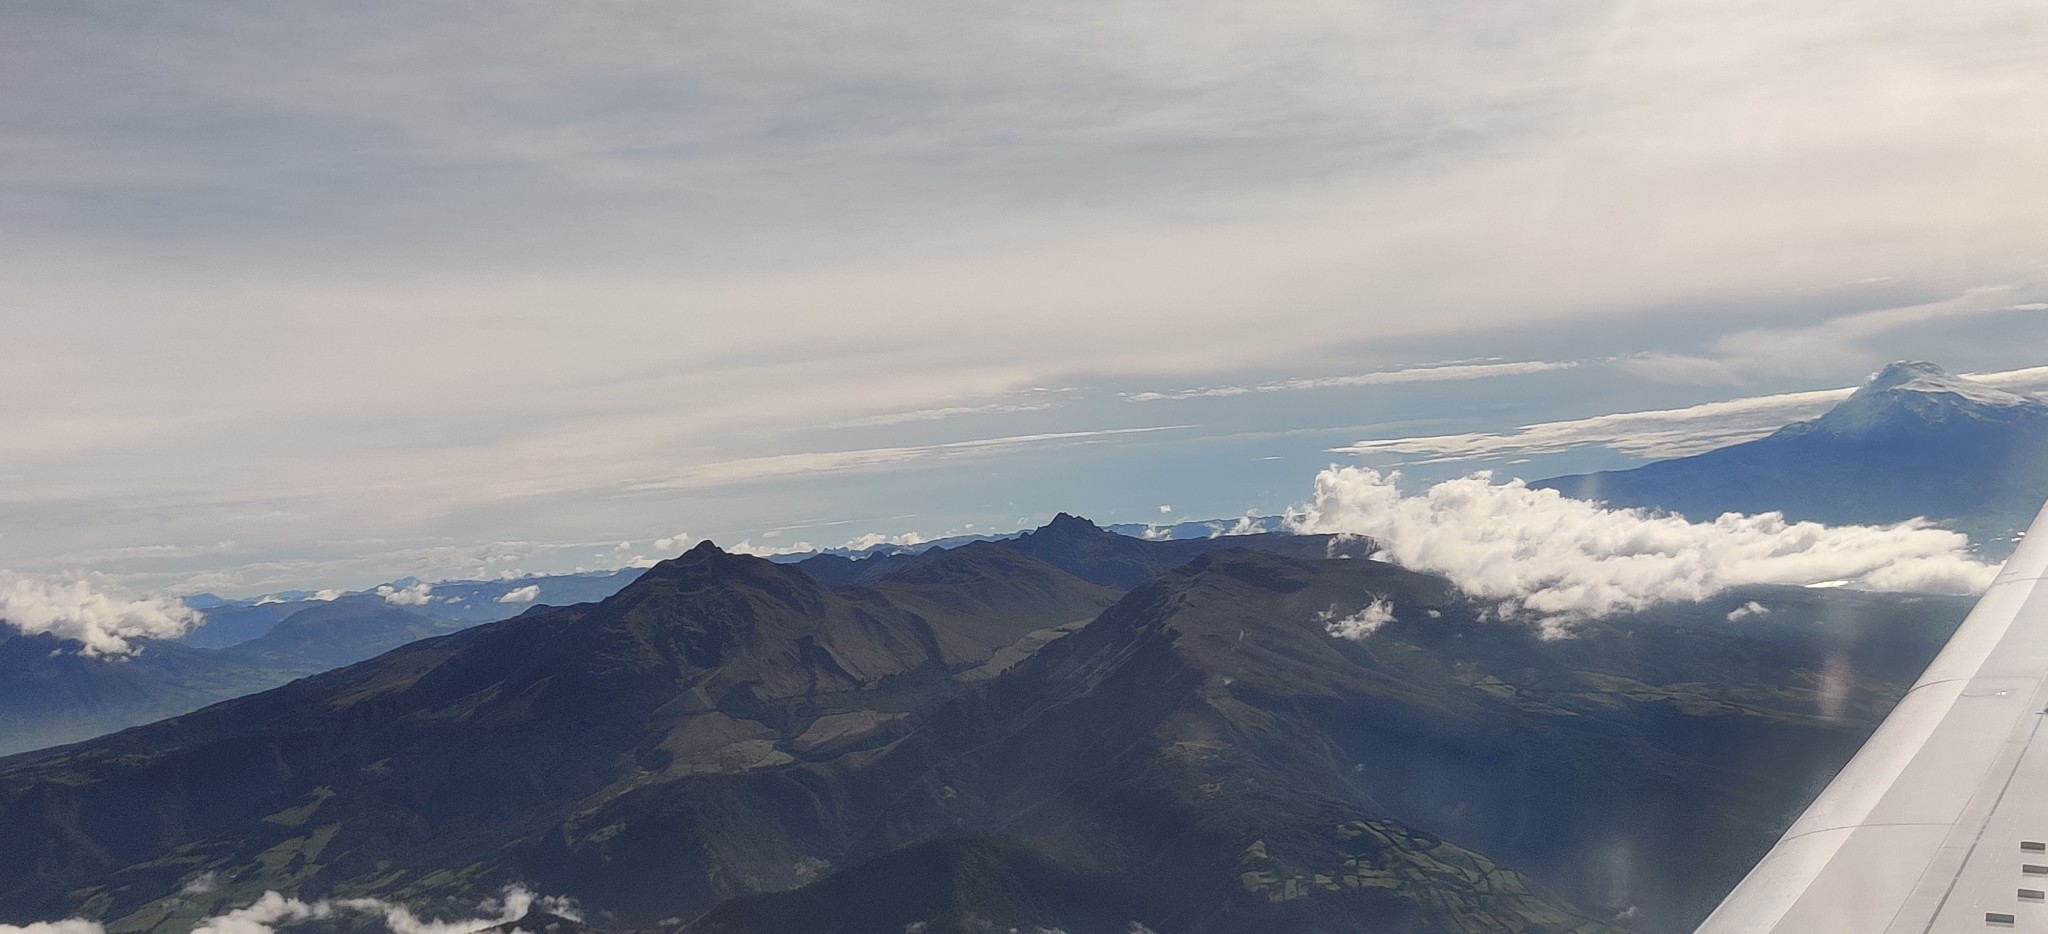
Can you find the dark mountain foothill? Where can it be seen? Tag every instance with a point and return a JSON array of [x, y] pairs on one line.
[[997, 736], [52, 694]]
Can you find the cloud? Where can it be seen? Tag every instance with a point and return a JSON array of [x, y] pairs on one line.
[[1752, 608], [90, 609], [1359, 625], [1658, 433], [769, 551], [1539, 556], [1246, 524], [777, 465], [526, 594], [1821, 348], [1059, 180], [872, 539], [673, 542], [1422, 374], [275, 910], [263, 916], [419, 594], [67, 926], [952, 411]]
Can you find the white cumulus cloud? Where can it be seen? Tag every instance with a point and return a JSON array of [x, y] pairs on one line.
[[419, 594], [90, 609], [871, 539], [746, 547], [275, 910], [67, 926], [1556, 561], [1752, 608], [1246, 524], [1358, 625], [526, 594]]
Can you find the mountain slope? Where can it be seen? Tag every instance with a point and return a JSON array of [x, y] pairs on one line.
[[50, 694], [1203, 756], [332, 634], [504, 740], [1913, 442]]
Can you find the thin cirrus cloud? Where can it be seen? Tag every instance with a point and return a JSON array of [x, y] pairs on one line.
[[1420, 374], [1828, 346], [776, 465], [1656, 433], [1152, 190], [935, 414], [1557, 562]]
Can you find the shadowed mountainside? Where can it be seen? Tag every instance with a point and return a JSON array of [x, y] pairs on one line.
[[51, 694]]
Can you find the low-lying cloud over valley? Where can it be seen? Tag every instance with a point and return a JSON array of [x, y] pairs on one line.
[[1554, 561]]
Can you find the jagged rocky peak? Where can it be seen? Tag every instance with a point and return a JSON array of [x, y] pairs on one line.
[[1917, 392], [1068, 524], [706, 562]]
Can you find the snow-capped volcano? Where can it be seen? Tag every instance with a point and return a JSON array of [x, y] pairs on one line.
[[1915, 441], [1920, 392]]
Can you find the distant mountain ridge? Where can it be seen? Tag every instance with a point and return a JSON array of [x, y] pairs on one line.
[[260, 643], [1915, 441], [231, 622]]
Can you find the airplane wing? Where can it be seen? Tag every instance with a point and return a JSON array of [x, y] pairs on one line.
[[1940, 822]]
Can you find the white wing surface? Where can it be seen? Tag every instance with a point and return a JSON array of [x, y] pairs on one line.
[[1940, 822]]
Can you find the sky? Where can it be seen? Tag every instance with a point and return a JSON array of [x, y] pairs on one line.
[[294, 296]]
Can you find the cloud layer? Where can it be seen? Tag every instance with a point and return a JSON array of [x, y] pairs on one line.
[[275, 910], [1658, 433], [1439, 373], [641, 209], [91, 610], [1542, 557]]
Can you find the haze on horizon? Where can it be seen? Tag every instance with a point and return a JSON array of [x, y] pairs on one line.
[[304, 297]]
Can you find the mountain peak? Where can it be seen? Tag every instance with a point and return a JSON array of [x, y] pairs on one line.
[[1069, 524], [1915, 392], [705, 562], [1921, 376]]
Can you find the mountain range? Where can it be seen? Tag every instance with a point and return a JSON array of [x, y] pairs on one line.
[[1915, 441], [1068, 730]]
